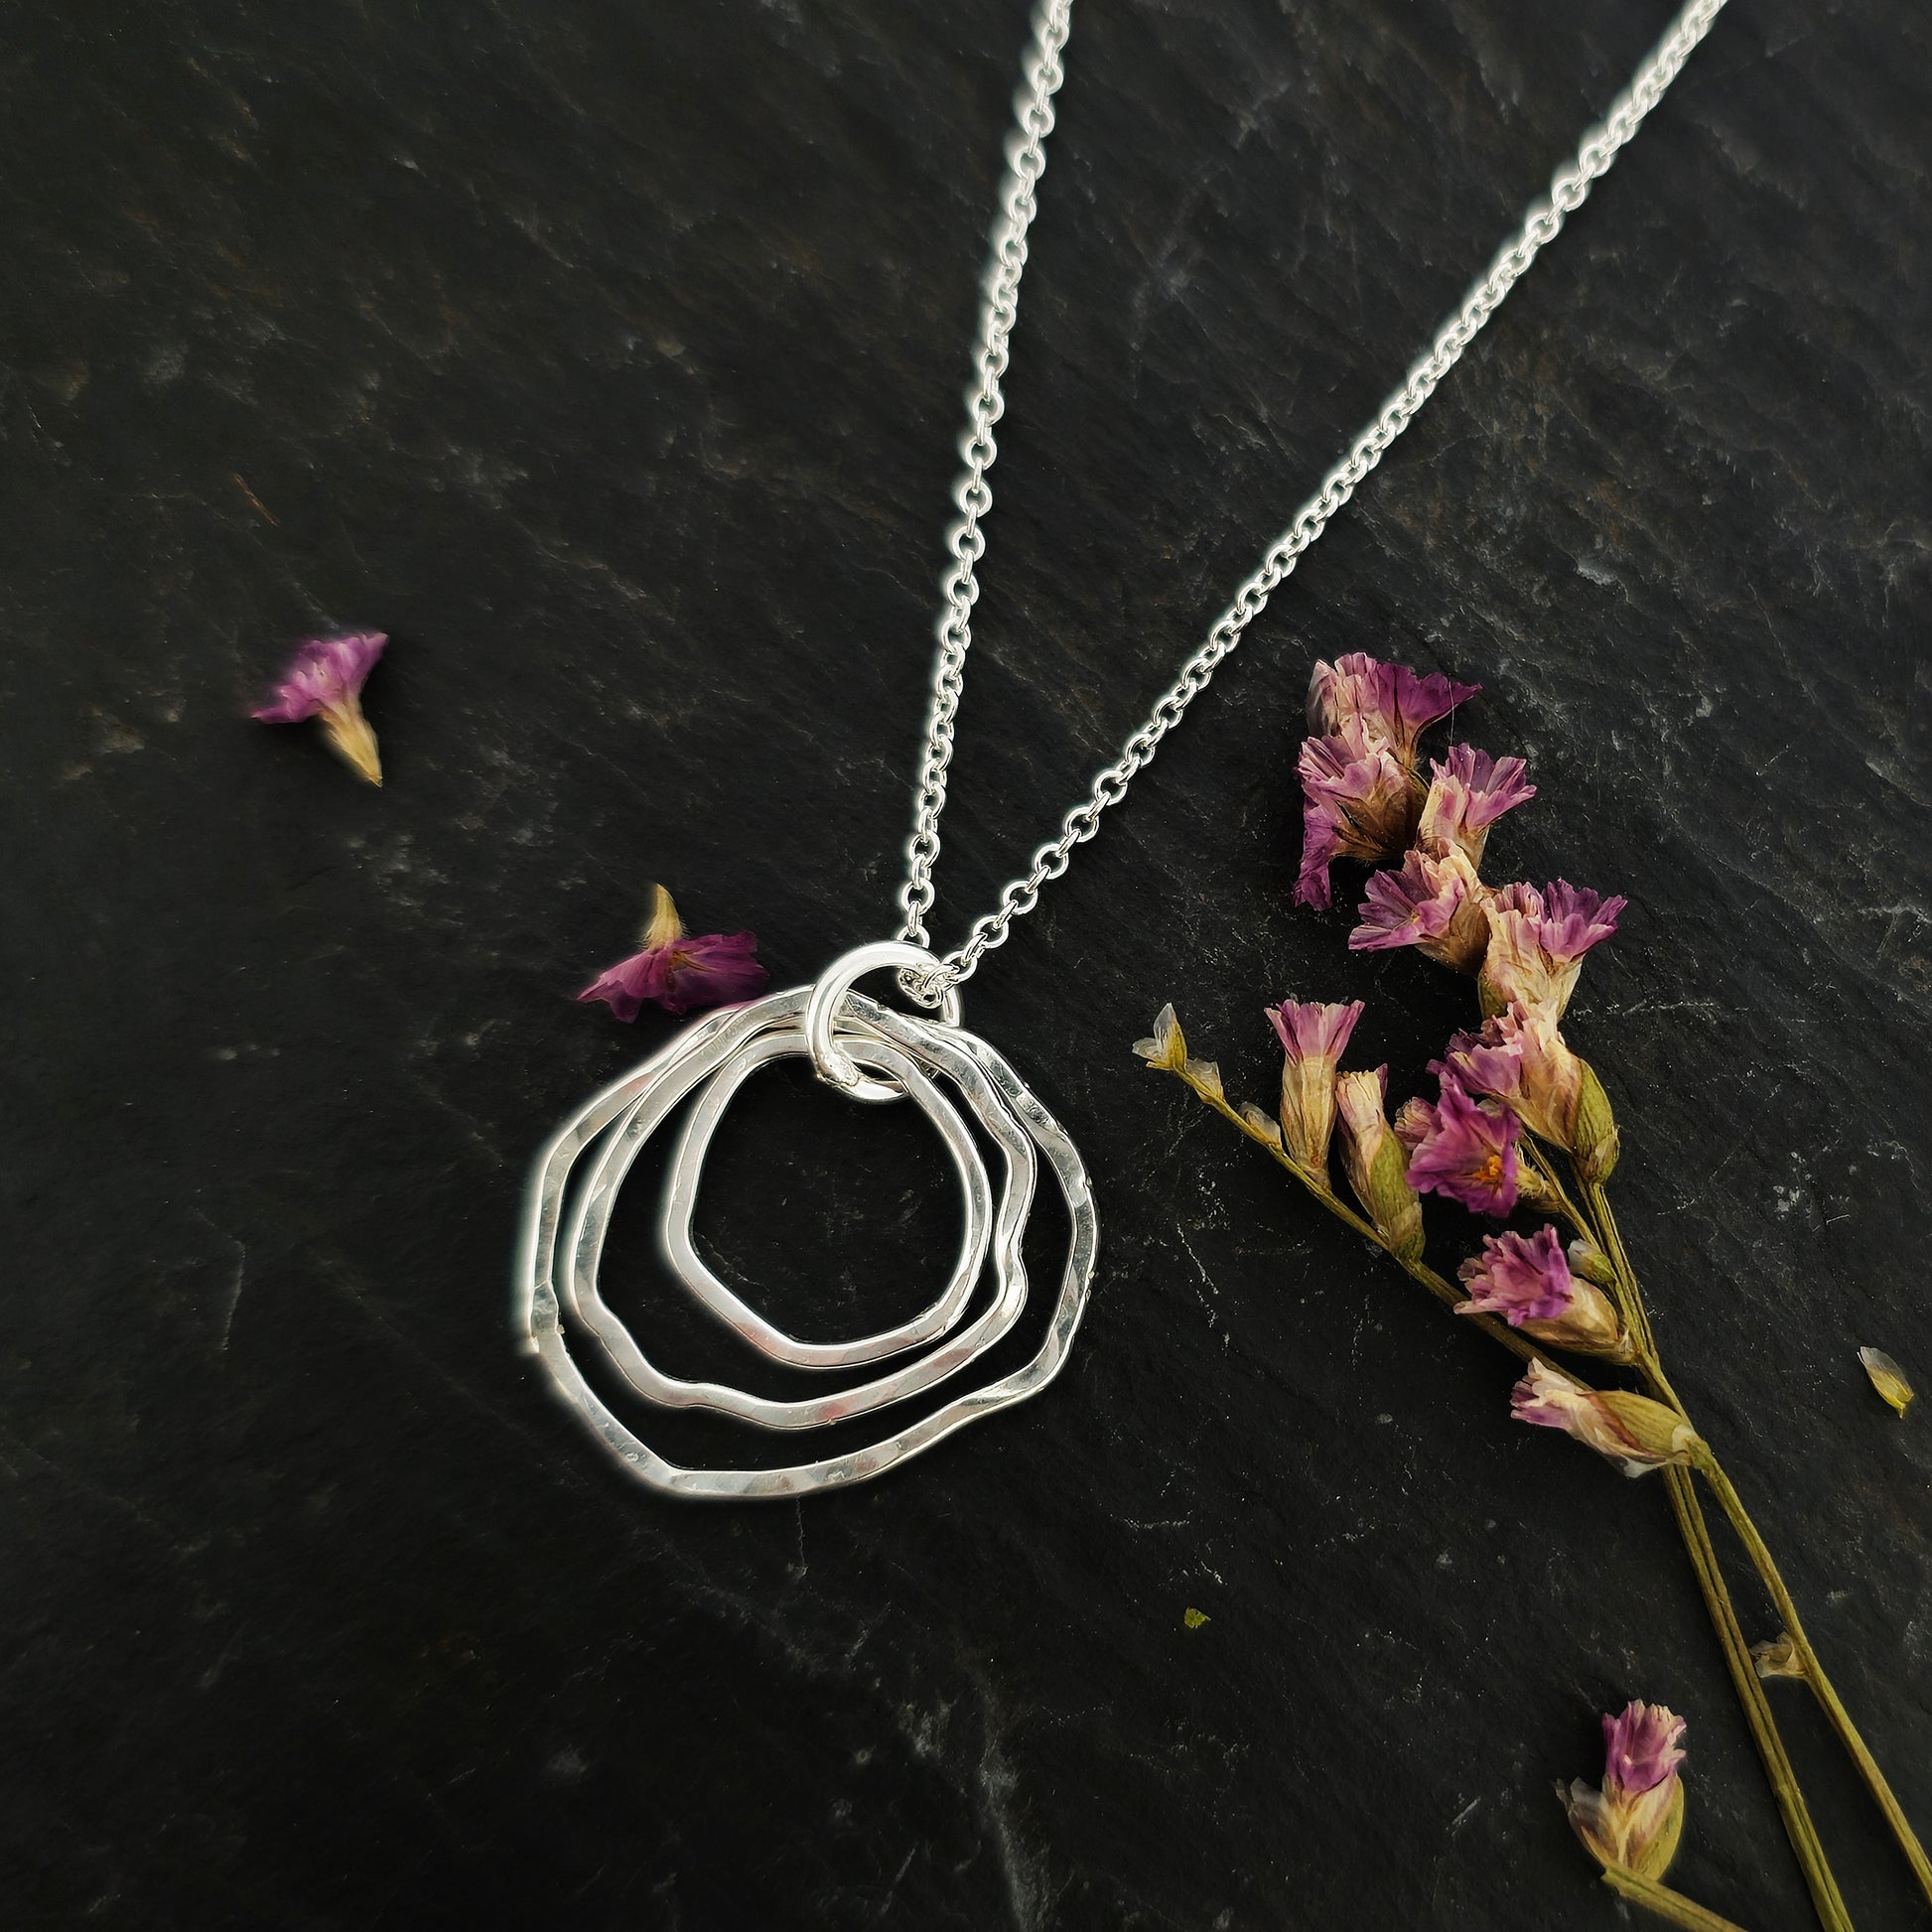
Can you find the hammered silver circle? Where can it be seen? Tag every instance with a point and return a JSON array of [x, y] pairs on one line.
[[574, 1188], [681, 1199]]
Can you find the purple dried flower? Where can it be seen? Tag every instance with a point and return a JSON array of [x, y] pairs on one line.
[[1470, 792], [1633, 1819], [678, 971], [1312, 1037], [1392, 702], [1635, 1432], [1522, 1279], [1537, 944], [1527, 1281], [325, 680], [1641, 1748], [1462, 1148], [1521, 1058], [1432, 904], [1357, 803]]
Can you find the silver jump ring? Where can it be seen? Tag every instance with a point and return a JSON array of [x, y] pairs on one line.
[[833, 1064]]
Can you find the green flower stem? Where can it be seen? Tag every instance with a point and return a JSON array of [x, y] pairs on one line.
[[1443, 1290], [1732, 1505], [1760, 1719], [1761, 1561], [1806, 1844], [1830, 1905], [1546, 1173], [1665, 1903]]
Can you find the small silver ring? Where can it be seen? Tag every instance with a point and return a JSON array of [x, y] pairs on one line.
[[830, 1061]]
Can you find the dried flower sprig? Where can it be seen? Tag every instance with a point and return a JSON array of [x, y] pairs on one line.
[[1635, 1817], [1631, 1821], [679, 971], [324, 679], [1512, 1097]]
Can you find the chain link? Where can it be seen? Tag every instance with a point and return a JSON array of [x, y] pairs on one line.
[[1569, 189], [1026, 163]]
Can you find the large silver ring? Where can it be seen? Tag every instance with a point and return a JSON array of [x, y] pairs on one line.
[[956, 1081]]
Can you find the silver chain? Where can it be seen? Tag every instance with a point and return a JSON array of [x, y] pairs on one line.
[[1569, 189]]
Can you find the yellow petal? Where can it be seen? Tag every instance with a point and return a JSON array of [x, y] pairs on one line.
[[665, 926], [1887, 1377], [1193, 1619], [351, 739]]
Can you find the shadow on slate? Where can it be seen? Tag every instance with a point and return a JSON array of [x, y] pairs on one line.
[[609, 357]]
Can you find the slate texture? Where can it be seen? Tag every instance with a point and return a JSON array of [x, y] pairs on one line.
[[609, 355]]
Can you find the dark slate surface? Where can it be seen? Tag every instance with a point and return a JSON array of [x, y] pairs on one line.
[[609, 356]]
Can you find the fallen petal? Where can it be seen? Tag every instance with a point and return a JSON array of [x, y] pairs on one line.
[[1778, 1658], [1887, 1377]]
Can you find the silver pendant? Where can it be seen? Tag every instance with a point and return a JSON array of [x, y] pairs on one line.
[[868, 1053]]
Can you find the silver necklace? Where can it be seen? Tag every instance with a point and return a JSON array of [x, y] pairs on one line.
[[871, 1052]]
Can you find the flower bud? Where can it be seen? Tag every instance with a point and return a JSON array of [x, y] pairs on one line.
[[1204, 1076], [1167, 1050], [1592, 1263], [1636, 1434], [1377, 1163], [1633, 1819], [1312, 1037], [1778, 1658], [1535, 1191], [1593, 1142]]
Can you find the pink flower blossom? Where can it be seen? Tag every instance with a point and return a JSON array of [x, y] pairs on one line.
[[1631, 1821], [325, 680], [1635, 1432], [1641, 1748], [678, 971], [1537, 944], [1376, 1162], [1357, 803], [1462, 1148], [1470, 792], [1393, 703], [1527, 1281], [1522, 1279], [1432, 904], [324, 671], [1312, 1037], [1521, 1058]]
